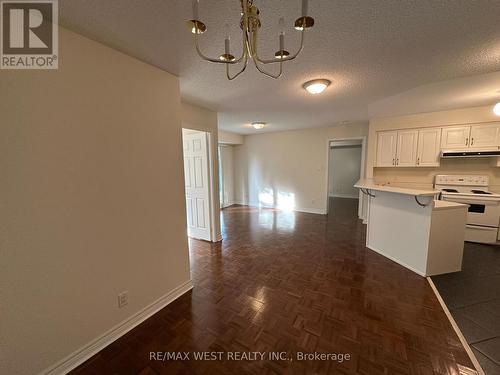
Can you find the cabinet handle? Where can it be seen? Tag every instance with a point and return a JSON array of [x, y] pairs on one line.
[[393, 161], [418, 161], [397, 161], [472, 142], [466, 141]]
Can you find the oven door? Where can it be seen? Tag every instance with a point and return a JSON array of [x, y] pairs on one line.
[[484, 212]]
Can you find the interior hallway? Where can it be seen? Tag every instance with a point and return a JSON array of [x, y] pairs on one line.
[[289, 281]]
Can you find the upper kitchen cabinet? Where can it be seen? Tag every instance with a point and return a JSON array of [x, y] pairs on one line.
[[406, 154], [429, 147], [386, 148], [485, 135], [455, 137], [409, 148]]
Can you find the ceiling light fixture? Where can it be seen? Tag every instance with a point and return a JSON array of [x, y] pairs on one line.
[[496, 109], [250, 24], [259, 125], [316, 86]]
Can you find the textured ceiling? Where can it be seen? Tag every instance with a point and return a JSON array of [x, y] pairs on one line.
[[370, 50]]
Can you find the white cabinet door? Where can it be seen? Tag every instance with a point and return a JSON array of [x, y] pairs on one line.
[[386, 148], [406, 155], [484, 135], [429, 147], [455, 137]]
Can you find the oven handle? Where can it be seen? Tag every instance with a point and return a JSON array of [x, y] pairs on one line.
[[469, 201], [478, 227]]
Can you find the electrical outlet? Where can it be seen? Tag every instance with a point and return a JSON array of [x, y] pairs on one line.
[[123, 299]]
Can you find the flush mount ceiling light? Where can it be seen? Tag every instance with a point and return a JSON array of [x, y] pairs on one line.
[[250, 24], [258, 125], [316, 86], [496, 109]]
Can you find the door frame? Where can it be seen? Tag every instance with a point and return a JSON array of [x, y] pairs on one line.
[[211, 187], [362, 170], [222, 191]]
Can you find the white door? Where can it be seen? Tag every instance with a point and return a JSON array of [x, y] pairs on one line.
[[455, 137], [484, 135], [386, 148], [429, 147], [197, 184], [406, 155]]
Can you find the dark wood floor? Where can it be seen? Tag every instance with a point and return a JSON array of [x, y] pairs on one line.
[[294, 282]]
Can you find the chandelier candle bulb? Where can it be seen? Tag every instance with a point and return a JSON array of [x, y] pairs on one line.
[[305, 5], [282, 33], [195, 10]]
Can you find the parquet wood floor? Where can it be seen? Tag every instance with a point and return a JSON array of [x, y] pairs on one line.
[[294, 282]]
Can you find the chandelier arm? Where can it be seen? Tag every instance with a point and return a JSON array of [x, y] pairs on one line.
[[216, 60], [275, 76], [237, 74], [291, 57]]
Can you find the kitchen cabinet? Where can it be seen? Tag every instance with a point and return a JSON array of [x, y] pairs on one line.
[[455, 137], [484, 135], [429, 147], [406, 151], [409, 148], [386, 148], [422, 147]]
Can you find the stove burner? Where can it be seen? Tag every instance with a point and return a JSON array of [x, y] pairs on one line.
[[450, 190], [480, 192]]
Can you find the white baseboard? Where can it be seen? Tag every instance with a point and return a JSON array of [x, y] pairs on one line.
[[317, 211], [454, 324], [350, 196], [242, 203], [297, 209], [81, 355]]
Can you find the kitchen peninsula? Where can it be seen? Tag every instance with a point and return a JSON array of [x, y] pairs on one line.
[[412, 228]]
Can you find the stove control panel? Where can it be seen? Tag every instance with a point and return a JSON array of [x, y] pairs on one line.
[[465, 180]]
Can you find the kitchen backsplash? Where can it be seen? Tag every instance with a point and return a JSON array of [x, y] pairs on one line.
[[423, 178]]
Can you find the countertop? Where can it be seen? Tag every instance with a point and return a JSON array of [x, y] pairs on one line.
[[371, 185]]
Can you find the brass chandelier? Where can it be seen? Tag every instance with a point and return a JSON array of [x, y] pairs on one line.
[[250, 24]]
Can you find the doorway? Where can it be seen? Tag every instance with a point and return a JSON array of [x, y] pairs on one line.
[[197, 177], [226, 175], [346, 159]]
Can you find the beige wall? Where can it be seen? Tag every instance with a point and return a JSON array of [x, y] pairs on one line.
[[198, 118], [92, 200], [230, 138], [288, 167], [424, 177]]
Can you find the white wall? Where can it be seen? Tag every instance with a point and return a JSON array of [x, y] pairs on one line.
[[202, 119], [344, 171], [230, 138], [288, 168], [92, 200], [424, 177], [227, 162]]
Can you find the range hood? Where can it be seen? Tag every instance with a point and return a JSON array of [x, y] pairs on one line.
[[476, 153]]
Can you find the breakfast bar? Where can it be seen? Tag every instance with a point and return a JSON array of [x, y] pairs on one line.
[[412, 228]]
